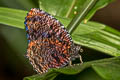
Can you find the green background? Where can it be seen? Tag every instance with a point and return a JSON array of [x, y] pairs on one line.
[[97, 38]]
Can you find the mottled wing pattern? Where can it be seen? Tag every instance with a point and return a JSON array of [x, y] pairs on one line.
[[49, 44]]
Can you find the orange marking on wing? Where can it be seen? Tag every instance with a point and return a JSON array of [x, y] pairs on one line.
[[58, 44], [51, 42], [31, 12], [31, 44], [28, 27], [64, 47], [68, 47], [65, 52], [41, 59], [57, 41], [40, 14], [29, 16]]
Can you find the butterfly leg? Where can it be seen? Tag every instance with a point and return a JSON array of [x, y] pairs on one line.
[[81, 50], [70, 63], [81, 62], [80, 59]]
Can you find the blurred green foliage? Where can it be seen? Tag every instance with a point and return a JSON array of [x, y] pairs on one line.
[[93, 35]]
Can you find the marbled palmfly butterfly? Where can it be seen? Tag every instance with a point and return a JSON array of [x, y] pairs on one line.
[[49, 44]]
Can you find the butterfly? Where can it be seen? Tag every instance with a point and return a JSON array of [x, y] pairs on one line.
[[49, 43]]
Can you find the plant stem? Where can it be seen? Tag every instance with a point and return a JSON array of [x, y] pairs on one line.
[[81, 15]]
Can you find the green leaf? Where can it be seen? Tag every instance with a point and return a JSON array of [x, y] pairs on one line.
[[56, 7], [90, 73], [93, 35], [68, 8], [12, 17], [102, 67], [19, 4], [96, 36], [109, 70], [50, 75], [101, 40], [100, 4], [89, 4]]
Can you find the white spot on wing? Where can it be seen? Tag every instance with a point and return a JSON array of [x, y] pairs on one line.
[[62, 26], [42, 12]]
